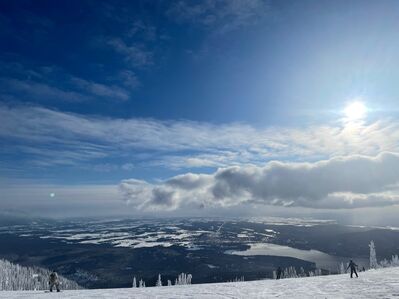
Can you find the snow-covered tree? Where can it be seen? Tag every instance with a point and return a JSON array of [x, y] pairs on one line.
[[169, 283], [183, 279], [373, 256], [385, 263], [237, 279], [395, 261], [15, 277], [302, 272], [289, 272], [342, 268], [141, 283], [316, 272], [134, 282], [159, 281]]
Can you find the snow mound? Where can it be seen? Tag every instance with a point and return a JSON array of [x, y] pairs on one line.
[[382, 283]]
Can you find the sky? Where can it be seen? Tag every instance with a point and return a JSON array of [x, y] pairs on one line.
[[222, 107]]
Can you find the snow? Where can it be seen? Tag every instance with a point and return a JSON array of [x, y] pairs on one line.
[[137, 238], [382, 283]]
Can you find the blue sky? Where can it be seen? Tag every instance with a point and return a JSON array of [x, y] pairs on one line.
[[131, 96]]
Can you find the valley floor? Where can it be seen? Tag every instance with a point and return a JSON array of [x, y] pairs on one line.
[[383, 283]]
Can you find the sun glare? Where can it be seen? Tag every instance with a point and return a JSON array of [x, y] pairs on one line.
[[355, 110]]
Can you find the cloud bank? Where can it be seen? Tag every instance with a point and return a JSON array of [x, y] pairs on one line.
[[338, 183]]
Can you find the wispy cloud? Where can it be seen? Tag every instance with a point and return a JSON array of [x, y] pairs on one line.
[[37, 90], [135, 54], [337, 183], [101, 90], [129, 79], [50, 136], [50, 83], [220, 15]]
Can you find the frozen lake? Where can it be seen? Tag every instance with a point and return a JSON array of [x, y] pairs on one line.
[[322, 260]]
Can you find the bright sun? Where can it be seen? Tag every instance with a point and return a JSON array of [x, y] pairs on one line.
[[355, 110]]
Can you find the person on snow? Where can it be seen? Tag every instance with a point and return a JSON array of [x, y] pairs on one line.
[[353, 267], [53, 281], [278, 276]]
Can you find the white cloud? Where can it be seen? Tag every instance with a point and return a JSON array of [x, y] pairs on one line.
[[52, 137], [337, 183]]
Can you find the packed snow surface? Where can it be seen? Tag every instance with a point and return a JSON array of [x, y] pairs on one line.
[[383, 283]]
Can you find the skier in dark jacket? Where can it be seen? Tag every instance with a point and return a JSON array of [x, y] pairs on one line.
[[353, 267], [53, 281], [278, 276]]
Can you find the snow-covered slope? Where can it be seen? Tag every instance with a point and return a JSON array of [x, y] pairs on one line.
[[383, 283], [17, 277]]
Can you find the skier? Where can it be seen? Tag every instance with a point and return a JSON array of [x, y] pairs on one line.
[[53, 281], [353, 267], [278, 273]]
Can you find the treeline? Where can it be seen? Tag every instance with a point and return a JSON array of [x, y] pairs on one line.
[[291, 272], [182, 279], [385, 263], [14, 277]]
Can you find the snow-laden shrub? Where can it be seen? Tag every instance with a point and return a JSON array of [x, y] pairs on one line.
[[393, 262]]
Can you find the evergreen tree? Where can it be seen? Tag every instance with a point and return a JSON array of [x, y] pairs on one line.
[[159, 281], [302, 272], [342, 268], [373, 256], [134, 282], [141, 284], [183, 279]]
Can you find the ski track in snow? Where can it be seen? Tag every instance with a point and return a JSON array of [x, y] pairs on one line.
[[383, 283]]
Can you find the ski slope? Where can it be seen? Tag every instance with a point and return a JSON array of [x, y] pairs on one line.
[[383, 283]]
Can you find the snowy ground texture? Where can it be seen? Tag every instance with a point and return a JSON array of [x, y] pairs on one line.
[[383, 283]]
